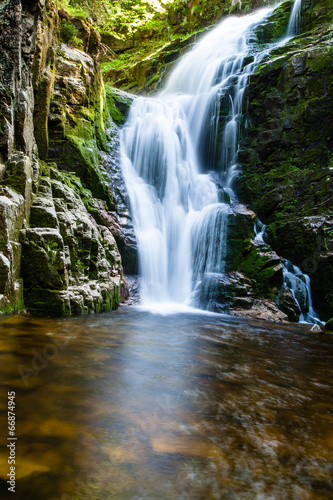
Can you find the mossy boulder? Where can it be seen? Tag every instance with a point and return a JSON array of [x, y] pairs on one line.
[[118, 104]]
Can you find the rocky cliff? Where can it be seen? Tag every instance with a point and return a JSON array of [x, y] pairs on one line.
[[287, 156], [58, 253]]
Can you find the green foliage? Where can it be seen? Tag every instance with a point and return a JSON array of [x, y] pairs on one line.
[[122, 17], [68, 31]]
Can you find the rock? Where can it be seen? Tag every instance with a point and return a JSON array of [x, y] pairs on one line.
[[12, 216], [288, 304], [119, 103], [265, 310], [240, 232], [76, 263], [224, 291], [43, 259], [5, 274], [286, 176], [56, 241], [236, 294], [329, 325]]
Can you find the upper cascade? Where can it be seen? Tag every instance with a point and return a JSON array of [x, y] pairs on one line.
[[294, 24]]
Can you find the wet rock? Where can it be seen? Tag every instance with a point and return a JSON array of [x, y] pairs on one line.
[[287, 174], [288, 304], [264, 309], [236, 294], [222, 291], [329, 325]]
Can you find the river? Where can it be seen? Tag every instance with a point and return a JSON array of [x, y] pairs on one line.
[[135, 405]]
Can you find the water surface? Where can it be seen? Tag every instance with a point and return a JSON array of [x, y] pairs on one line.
[[135, 405]]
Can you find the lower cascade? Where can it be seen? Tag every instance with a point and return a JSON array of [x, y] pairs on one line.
[[179, 159]]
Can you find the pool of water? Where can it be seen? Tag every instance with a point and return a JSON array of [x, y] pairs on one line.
[[134, 405]]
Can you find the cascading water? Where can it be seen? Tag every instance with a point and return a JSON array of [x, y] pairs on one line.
[[294, 280], [299, 285], [169, 145], [294, 24]]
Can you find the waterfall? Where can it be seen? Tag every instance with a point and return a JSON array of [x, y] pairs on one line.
[[170, 146], [299, 285], [294, 24]]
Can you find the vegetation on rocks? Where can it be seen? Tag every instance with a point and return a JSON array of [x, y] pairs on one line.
[[287, 155], [57, 250], [141, 38]]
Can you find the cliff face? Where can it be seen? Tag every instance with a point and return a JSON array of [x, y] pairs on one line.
[[287, 157], [57, 249]]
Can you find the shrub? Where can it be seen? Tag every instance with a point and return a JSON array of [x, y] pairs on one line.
[[68, 31]]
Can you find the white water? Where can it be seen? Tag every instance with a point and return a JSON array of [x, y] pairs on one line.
[[179, 222], [294, 24], [299, 285], [171, 143]]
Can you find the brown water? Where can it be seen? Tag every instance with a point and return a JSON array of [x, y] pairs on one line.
[[140, 406]]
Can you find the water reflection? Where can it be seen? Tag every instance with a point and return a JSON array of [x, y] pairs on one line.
[[131, 405]]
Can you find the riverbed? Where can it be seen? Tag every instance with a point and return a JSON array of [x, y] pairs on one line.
[[135, 405]]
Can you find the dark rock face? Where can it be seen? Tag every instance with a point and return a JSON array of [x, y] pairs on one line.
[[251, 283], [235, 293], [57, 249], [288, 153]]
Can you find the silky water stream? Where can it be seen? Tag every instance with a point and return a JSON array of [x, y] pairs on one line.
[[170, 146], [131, 405]]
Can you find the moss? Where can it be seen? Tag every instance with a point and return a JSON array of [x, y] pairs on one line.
[[276, 25], [45, 301], [14, 303], [265, 276]]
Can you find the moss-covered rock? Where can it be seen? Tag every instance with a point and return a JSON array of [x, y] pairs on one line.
[[65, 253], [329, 325], [150, 71], [118, 103], [276, 25], [287, 156], [57, 250]]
